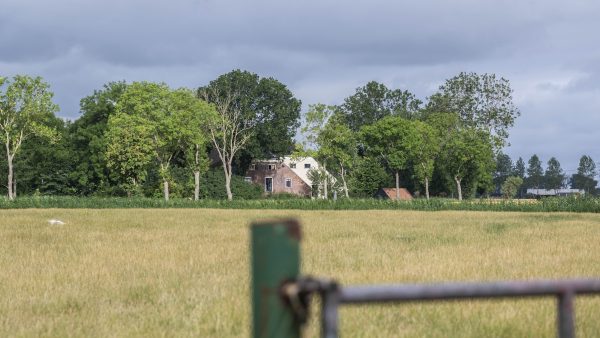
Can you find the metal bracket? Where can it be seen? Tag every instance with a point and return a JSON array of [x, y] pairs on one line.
[[298, 293]]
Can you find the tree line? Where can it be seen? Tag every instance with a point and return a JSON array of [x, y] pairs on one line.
[[534, 176], [146, 139]]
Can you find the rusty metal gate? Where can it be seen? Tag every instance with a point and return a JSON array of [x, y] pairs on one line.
[[281, 296]]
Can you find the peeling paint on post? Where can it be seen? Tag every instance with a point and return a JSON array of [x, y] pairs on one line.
[[275, 247]]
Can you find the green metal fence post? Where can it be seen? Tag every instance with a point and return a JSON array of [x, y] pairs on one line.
[[275, 247]]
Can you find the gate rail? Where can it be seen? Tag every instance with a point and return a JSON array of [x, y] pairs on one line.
[[281, 296]]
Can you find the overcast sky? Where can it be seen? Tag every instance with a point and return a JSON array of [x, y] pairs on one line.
[[323, 50]]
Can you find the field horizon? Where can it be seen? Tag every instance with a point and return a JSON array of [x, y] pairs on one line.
[[184, 272]]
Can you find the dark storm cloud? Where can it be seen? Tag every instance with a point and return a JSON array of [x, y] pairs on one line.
[[323, 50], [184, 32]]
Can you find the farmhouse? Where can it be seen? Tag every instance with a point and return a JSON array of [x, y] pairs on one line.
[[287, 175]]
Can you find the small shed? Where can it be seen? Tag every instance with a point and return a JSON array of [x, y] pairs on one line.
[[390, 193]]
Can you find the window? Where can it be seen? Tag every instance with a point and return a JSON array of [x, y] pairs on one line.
[[253, 166], [271, 167], [248, 179], [306, 165], [288, 182], [293, 165], [269, 184]]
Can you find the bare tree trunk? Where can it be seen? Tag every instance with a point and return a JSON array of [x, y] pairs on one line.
[[197, 174], [227, 169], [10, 177], [458, 188], [134, 182], [325, 181], [15, 187], [397, 186], [196, 185], [231, 133], [427, 187], [343, 174], [165, 180], [166, 189]]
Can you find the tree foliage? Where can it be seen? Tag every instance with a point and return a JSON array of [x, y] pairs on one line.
[[368, 175], [128, 151], [393, 140], [374, 101], [91, 174], [266, 104], [482, 101], [468, 154], [158, 123], [144, 137]]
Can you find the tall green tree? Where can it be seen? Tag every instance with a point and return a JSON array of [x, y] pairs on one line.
[[375, 101], [263, 102], [315, 120], [535, 173], [338, 144], [482, 101], [584, 178], [392, 140], [446, 126], [128, 151], [231, 131], [91, 174], [554, 177], [468, 153], [162, 114], [504, 167], [519, 169], [425, 151], [25, 103], [318, 140], [44, 167], [196, 118]]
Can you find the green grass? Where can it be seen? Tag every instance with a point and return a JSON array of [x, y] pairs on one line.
[[184, 272], [571, 204]]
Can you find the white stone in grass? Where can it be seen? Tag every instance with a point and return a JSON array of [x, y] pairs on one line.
[[55, 222]]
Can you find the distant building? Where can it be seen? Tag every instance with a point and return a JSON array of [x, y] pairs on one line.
[[554, 192], [390, 193], [286, 175]]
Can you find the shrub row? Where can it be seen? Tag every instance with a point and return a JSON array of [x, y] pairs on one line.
[[568, 204]]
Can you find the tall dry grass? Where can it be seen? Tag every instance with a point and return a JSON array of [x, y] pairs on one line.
[[181, 272]]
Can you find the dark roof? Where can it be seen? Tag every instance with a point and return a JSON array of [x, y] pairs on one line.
[[391, 193]]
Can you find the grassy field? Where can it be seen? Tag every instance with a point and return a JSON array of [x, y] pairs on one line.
[[183, 272]]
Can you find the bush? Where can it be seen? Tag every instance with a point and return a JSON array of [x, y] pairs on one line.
[[367, 177], [285, 196], [511, 186], [212, 186]]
